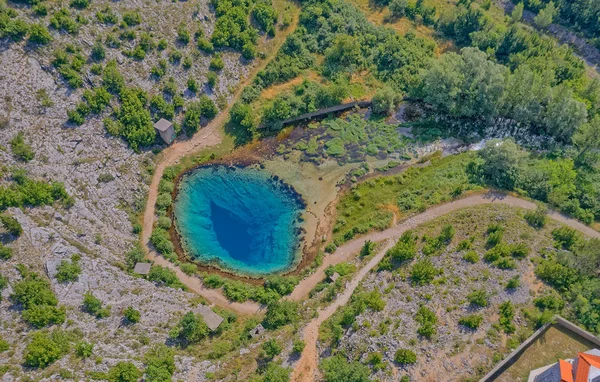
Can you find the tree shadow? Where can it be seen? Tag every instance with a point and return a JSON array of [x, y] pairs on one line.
[[241, 135]]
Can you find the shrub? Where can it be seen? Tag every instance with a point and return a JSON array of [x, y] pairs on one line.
[[330, 248], [338, 368], [84, 349], [79, 4], [163, 201], [367, 248], [132, 18], [161, 240], [134, 256], [566, 237], [160, 363], [276, 373], [552, 302], [132, 315], [164, 276], [183, 36], [557, 275], [280, 284], [427, 321], [298, 346], [164, 222], [281, 313], [494, 238], [506, 316], [423, 272], [405, 357], [20, 149], [5, 252], [68, 271], [190, 329], [403, 250], [478, 298], [236, 291], [471, 257], [33, 291], [44, 315], [45, 348], [505, 263], [385, 101], [213, 281], [211, 79], [93, 306], [217, 63], [38, 34], [124, 372], [536, 218], [471, 321], [520, 250], [271, 348], [12, 225], [513, 283], [188, 269]]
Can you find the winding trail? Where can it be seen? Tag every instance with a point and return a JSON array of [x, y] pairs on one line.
[[306, 367]]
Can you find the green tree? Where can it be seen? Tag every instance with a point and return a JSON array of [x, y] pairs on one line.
[[587, 141], [405, 357], [281, 313], [501, 161], [68, 271], [84, 349], [545, 16], [276, 373], [93, 306], [160, 363], [423, 272], [398, 8], [271, 348], [517, 13], [385, 101], [45, 348], [38, 34], [132, 315], [124, 372], [338, 369], [191, 328], [11, 224]]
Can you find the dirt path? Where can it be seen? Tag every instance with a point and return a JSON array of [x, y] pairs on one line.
[[306, 367]]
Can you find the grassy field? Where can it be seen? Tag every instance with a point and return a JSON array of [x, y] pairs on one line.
[[375, 203]]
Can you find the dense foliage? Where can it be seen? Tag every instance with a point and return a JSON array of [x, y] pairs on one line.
[[38, 301], [24, 191]]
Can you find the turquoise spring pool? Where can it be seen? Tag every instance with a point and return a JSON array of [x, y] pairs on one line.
[[239, 219]]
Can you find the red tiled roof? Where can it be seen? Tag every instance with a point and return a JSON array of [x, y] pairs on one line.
[[566, 371], [584, 363]]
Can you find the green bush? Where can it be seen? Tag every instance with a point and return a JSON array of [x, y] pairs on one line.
[[93, 306], [33, 291], [494, 238], [337, 368], [188, 269], [405, 357], [471, 321], [160, 363], [11, 224], [271, 348], [84, 349], [20, 149], [161, 240], [298, 346], [427, 321], [132, 315], [213, 281], [38, 34], [124, 372], [507, 314], [236, 291], [5, 252], [478, 298], [471, 257], [164, 276], [132, 18], [556, 274], [281, 313], [276, 373], [40, 316], [68, 271], [164, 222], [423, 272], [566, 237], [513, 283], [45, 348], [190, 329], [536, 218]]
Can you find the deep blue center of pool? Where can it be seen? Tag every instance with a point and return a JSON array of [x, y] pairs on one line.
[[238, 219]]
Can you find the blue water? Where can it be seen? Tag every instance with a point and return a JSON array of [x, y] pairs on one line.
[[238, 219]]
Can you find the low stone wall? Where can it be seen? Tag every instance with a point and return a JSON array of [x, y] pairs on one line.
[[514, 356]]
